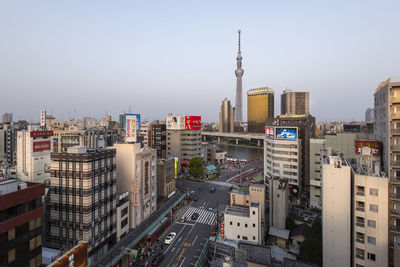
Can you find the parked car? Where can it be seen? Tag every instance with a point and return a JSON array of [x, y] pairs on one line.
[[170, 238], [195, 216], [157, 259]]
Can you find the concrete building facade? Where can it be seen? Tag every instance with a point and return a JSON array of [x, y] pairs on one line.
[[387, 131], [83, 199], [21, 223], [158, 138], [166, 170], [122, 215], [184, 144], [316, 145], [295, 102], [33, 154], [260, 109], [137, 173], [278, 203], [282, 158]]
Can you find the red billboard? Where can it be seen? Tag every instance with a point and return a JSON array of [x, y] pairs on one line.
[[41, 133], [374, 145], [269, 132], [41, 146], [192, 122]]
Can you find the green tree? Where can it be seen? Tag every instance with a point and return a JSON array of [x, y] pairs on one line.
[[196, 166], [311, 248]]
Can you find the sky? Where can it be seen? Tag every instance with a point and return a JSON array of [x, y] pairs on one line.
[[92, 58]]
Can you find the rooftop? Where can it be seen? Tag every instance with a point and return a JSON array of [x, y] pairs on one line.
[[282, 233], [238, 211]]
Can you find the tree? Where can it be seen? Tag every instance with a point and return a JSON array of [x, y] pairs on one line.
[[196, 166], [311, 248]]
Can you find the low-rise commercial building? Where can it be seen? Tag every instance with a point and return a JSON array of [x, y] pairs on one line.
[[166, 172]]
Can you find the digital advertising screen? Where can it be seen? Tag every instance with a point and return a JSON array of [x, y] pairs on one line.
[[286, 133]]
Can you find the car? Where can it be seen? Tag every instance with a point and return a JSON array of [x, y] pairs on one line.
[[212, 190], [170, 238], [195, 198], [157, 259], [195, 216]]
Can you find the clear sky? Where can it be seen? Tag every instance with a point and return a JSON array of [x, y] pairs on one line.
[[90, 58]]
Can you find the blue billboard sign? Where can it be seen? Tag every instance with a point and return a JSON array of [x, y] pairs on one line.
[[286, 133], [137, 119]]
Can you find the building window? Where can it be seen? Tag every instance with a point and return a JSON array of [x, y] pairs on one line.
[[238, 224], [360, 237], [360, 221], [238, 237], [245, 225], [360, 253], [254, 213], [372, 240], [254, 238], [244, 237], [371, 256], [360, 190], [371, 223], [373, 208], [373, 191], [254, 225], [124, 223], [230, 223]]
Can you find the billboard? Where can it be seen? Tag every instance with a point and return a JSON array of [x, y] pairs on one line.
[[132, 126], [269, 132], [41, 134], [175, 122], [41, 146], [192, 122], [286, 133], [374, 145], [43, 118], [222, 231]]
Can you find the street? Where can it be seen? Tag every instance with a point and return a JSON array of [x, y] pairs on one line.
[[191, 235]]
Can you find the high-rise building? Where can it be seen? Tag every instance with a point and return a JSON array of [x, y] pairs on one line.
[[295, 102], [387, 130], [158, 138], [260, 109], [355, 209], [369, 115], [145, 132], [83, 199], [305, 125], [238, 115], [226, 117], [282, 160], [183, 137], [21, 223], [136, 171], [10, 141], [33, 154]]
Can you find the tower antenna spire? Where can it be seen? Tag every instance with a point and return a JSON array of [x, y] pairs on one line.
[[239, 38]]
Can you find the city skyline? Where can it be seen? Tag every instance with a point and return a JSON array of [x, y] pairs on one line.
[[85, 61]]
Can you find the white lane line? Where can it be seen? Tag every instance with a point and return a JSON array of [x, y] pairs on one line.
[[212, 219], [182, 262], [201, 217], [191, 224], [194, 241], [174, 239]]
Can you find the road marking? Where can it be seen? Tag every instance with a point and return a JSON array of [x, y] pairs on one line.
[[174, 239], [191, 224], [182, 261], [195, 239], [205, 216]]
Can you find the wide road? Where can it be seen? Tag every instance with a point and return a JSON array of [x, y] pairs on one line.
[[191, 235]]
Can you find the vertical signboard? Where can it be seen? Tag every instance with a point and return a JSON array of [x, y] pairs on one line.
[[43, 118], [146, 178], [132, 126], [176, 167], [135, 192], [222, 231], [269, 132]]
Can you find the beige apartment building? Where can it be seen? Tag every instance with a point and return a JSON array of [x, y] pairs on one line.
[[136, 171], [316, 145], [244, 197], [83, 199]]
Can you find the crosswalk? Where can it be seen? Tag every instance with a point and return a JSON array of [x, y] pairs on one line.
[[205, 216]]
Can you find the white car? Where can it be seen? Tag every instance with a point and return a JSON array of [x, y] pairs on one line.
[[170, 238]]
